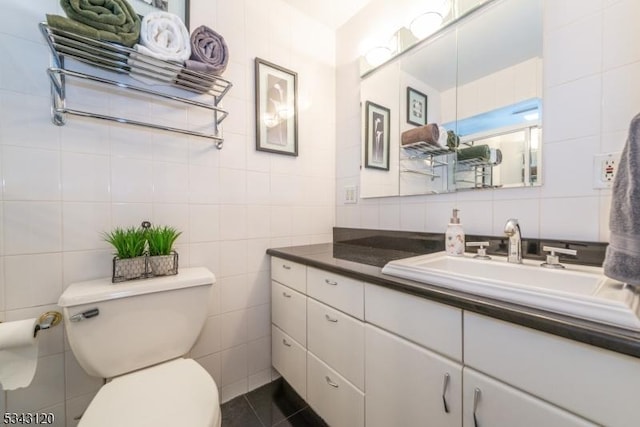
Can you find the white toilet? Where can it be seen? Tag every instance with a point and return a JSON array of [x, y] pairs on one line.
[[135, 334]]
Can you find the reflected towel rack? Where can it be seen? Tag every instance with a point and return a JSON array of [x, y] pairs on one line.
[[421, 172], [424, 149], [124, 60], [477, 162]]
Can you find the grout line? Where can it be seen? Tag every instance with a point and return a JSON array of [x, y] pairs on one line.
[[255, 413], [290, 416]]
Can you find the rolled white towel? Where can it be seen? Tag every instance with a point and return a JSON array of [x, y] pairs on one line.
[[164, 36], [442, 139], [496, 156]]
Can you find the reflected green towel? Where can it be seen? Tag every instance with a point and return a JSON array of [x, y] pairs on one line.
[[479, 152], [452, 140], [110, 20]]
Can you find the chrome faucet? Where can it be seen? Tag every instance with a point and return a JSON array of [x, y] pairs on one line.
[[512, 230]]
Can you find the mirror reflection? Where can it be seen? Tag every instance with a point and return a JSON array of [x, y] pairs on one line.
[[465, 105]]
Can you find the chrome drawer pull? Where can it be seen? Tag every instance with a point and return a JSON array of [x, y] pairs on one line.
[[331, 383], [286, 267], [330, 319], [476, 398], [284, 341], [445, 385], [330, 282], [286, 295]]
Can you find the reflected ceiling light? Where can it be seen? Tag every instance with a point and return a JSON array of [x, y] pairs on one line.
[[378, 55], [532, 116], [426, 24]]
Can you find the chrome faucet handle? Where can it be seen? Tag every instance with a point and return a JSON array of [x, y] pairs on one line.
[[482, 251], [553, 260]]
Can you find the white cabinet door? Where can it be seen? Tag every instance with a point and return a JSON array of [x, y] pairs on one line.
[[490, 403], [407, 385], [600, 385]]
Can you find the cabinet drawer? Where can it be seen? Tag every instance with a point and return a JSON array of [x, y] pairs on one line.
[[289, 273], [597, 384], [289, 311], [290, 359], [524, 410], [337, 401], [340, 292], [433, 325], [338, 340]]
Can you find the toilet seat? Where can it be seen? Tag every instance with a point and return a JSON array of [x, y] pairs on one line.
[[175, 393]]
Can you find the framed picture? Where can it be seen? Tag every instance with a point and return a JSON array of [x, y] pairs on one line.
[[177, 7], [276, 109], [376, 153], [416, 107]]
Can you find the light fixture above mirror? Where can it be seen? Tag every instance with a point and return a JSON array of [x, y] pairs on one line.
[[425, 20]]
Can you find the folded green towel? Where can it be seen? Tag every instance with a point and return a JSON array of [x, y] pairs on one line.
[[479, 152], [110, 20]]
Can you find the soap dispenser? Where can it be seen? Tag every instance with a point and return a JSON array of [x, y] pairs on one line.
[[454, 237]]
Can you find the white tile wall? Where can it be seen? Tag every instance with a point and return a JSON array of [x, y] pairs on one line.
[[591, 92], [63, 186]]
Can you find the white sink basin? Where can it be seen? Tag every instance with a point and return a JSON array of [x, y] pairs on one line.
[[578, 291]]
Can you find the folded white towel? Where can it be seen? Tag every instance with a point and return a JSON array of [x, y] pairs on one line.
[[164, 36]]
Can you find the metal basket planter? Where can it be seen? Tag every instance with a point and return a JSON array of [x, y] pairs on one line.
[[144, 267], [163, 265], [129, 268]]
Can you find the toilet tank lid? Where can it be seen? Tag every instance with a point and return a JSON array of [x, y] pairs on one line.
[[103, 289]]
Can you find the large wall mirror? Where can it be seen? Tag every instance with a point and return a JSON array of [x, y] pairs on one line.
[[478, 84]]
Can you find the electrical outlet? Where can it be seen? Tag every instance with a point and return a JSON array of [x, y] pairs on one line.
[[605, 167], [350, 194]]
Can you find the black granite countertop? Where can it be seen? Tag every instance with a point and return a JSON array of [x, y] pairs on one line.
[[364, 262]]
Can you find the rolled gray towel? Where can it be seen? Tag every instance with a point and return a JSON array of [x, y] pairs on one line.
[[209, 52], [427, 133], [622, 259]]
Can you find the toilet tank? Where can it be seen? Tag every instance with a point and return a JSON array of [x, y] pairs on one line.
[[118, 328]]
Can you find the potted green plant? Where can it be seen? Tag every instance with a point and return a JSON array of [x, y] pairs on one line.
[[162, 259], [129, 261]]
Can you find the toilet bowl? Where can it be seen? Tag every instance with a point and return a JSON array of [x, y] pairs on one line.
[[136, 334]]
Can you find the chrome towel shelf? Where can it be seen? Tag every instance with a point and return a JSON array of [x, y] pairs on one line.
[[127, 61]]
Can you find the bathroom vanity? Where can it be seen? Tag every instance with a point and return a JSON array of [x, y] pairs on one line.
[[365, 348]]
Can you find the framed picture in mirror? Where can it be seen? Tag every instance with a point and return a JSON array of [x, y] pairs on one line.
[[276, 108], [377, 121], [416, 107]]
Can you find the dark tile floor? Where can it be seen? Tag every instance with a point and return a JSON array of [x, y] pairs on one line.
[[274, 404]]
